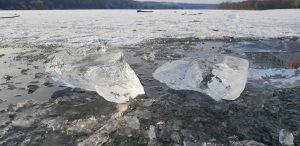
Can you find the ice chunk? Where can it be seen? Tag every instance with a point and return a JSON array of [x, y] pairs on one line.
[[107, 73], [221, 76], [149, 57], [286, 137], [277, 77], [23, 122]]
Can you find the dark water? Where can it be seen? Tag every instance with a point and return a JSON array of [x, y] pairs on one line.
[[178, 117]]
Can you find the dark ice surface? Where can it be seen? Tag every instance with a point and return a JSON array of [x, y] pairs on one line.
[[36, 111]]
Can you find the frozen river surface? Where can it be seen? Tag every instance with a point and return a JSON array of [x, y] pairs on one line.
[[36, 111], [118, 27]]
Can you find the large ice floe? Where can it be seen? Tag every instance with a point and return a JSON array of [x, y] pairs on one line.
[[219, 76], [105, 72]]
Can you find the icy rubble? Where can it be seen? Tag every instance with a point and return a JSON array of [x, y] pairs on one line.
[[277, 77], [220, 77], [105, 72], [102, 135]]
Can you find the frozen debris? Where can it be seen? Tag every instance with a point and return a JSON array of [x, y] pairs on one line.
[[24, 122], [101, 136], [221, 76], [298, 68], [83, 126], [107, 73], [277, 77], [286, 137]]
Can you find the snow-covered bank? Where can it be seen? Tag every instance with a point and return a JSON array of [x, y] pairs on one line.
[[118, 27]]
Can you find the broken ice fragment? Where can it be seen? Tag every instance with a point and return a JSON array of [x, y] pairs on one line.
[[220, 77], [107, 73]]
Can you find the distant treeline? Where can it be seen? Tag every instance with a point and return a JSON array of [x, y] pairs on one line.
[[82, 4], [261, 4]]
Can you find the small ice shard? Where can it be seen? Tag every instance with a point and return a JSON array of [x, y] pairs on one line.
[[149, 57], [277, 77], [220, 77], [24, 122], [286, 137], [298, 68], [151, 132], [107, 73]]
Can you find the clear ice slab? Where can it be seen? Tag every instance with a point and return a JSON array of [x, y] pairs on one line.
[[105, 72], [220, 76]]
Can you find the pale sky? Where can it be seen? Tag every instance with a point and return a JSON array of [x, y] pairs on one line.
[[193, 1]]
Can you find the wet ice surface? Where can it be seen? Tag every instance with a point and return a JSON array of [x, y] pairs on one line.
[[64, 116]]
